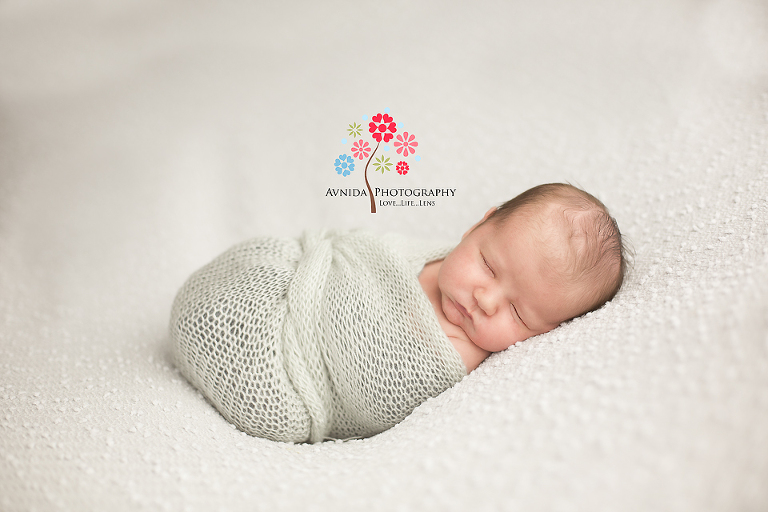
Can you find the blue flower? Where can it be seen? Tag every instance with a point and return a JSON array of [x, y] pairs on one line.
[[344, 165]]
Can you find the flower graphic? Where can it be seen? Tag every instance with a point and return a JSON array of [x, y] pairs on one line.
[[354, 130], [383, 129], [382, 164], [382, 126], [344, 165], [361, 149], [406, 143]]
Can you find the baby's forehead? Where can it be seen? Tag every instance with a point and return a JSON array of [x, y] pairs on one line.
[[545, 221], [546, 235], [545, 247]]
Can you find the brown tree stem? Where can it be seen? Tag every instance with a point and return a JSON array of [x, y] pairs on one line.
[[370, 192]]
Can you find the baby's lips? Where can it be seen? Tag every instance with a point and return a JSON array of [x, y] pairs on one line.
[[462, 310]]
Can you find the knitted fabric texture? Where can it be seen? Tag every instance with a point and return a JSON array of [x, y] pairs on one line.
[[328, 336]]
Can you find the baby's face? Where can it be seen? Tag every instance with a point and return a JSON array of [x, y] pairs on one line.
[[496, 286]]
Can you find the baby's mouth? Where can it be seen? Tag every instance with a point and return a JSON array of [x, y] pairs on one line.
[[462, 310]]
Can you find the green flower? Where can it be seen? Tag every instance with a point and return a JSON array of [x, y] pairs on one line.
[[382, 164], [355, 130]]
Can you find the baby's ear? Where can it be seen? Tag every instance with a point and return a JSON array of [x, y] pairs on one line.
[[485, 217]]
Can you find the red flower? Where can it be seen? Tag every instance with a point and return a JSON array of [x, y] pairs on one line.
[[361, 149], [406, 143], [380, 126], [402, 168]]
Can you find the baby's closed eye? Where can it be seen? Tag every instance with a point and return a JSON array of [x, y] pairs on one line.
[[488, 266], [514, 310]]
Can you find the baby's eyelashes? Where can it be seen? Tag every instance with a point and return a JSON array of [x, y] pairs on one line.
[[488, 266], [515, 313], [514, 309]]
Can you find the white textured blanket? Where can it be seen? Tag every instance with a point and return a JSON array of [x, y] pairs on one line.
[[140, 139], [329, 336]]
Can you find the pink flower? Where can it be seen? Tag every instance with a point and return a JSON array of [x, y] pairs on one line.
[[382, 125], [406, 143], [361, 149], [402, 168]]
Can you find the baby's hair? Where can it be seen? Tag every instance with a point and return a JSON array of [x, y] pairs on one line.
[[598, 249]]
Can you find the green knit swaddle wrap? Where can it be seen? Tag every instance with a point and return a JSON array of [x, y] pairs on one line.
[[329, 336]]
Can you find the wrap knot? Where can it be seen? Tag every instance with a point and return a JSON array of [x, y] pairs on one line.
[[304, 360]]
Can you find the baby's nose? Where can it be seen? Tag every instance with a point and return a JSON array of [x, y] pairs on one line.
[[486, 301]]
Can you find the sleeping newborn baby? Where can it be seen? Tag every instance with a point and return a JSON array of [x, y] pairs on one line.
[[549, 255], [342, 334]]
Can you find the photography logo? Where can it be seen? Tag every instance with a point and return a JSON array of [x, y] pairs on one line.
[[381, 129]]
